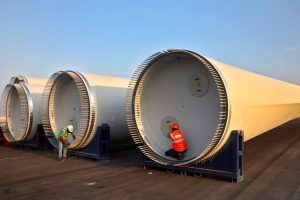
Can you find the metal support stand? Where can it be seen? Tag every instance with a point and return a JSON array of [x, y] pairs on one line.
[[227, 164], [99, 147], [1, 136], [38, 142]]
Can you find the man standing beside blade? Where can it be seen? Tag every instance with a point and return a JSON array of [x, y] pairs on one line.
[[65, 138]]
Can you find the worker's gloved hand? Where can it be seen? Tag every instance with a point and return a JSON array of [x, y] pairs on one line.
[[73, 137]]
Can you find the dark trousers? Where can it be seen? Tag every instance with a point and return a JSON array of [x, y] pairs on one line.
[[175, 154]]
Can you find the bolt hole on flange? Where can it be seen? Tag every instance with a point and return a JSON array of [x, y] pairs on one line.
[[166, 125]]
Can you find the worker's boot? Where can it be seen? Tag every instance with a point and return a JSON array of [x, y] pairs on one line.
[[180, 156]]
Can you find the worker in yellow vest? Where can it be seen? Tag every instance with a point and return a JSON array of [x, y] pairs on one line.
[[64, 140]]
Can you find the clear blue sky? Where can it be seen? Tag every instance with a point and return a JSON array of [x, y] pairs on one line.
[[113, 37]]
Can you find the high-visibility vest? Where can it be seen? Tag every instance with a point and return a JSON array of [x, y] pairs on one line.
[[63, 135], [178, 142]]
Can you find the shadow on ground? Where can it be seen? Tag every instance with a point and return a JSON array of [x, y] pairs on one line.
[[272, 163]]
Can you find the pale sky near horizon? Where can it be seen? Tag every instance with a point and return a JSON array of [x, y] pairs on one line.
[[38, 38]]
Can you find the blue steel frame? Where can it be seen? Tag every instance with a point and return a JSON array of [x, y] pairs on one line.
[[227, 164], [38, 142], [98, 148], [1, 136]]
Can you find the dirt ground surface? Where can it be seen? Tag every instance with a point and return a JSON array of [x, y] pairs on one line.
[[272, 171]]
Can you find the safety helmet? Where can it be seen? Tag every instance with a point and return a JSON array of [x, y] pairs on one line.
[[175, 126], [70, 128]]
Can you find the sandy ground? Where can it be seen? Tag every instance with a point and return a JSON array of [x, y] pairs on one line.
[[272, 171]]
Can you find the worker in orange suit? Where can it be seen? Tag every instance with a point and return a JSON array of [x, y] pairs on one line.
[[180, 146]]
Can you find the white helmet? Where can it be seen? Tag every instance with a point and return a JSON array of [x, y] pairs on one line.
[[70, 128]]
